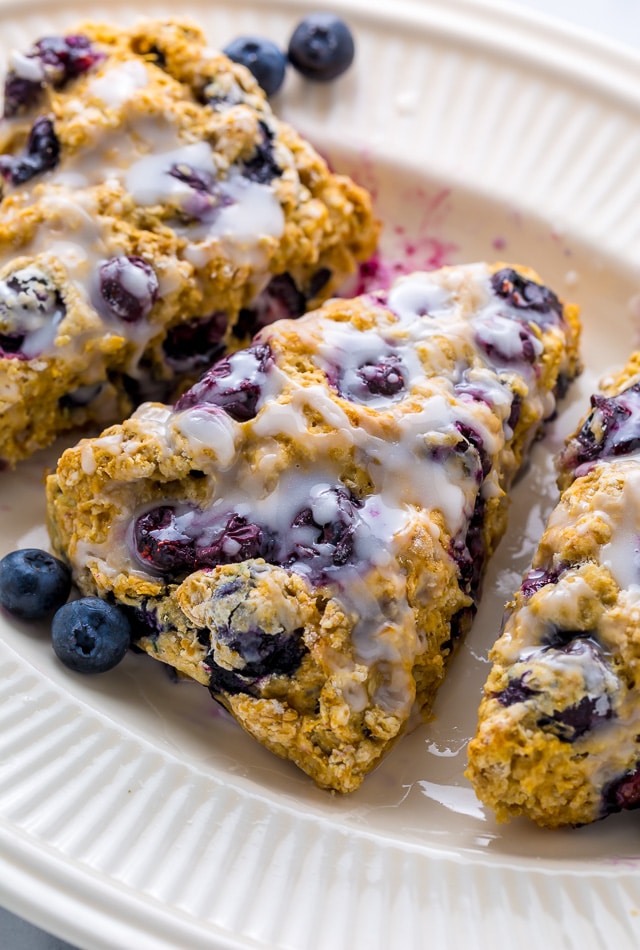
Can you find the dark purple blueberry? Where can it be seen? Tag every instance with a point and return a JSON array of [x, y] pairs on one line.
[[491, 340], [264, 60], [33, 583], [516, 410], [537, 578], [515, 692], [573, 722], [41, 154], [239, 397], [67, 57], [237, 540], [611, 429], [206, 197], [280, 300], [322, 534], [261, 166], [526, 295], [623, 793], [128, 288], [20, 94], [469, 552], [321, 47], [90, 635], [472, 437], [318, 282], [264, 655], [30, 310], [384, 377], [81, 396], [161, 543], [561, 639], [60, 59], [196, 343]]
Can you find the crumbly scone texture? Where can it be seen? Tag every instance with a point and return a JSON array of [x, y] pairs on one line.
[[305, 531], [155, 213], [558, 737]]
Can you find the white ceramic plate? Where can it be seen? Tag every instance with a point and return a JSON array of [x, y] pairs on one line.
[[132, 813]]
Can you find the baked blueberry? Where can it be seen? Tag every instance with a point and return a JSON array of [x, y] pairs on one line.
[[89, 635], [41, 154], [128, 288], [280, 300], [264, 60], [233, 383], [535, 300], [33, 583], [321, 47]]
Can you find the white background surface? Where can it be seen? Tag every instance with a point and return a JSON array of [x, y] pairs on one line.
[[613, 21]]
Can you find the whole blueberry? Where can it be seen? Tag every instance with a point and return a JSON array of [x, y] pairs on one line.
[[90, 635], [128, 288], [321, 47], [33, 583], [262, 58]]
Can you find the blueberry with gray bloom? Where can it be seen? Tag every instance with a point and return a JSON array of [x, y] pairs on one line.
[[33, 583], [89, 635]]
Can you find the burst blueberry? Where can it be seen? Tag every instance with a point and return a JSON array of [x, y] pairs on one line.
[[41, 154], [239, 398], [56, 60], [264, 60], [321, 47], [526, 295], [33, 583], [89, 635]]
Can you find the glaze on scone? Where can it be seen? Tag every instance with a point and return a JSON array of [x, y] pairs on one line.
[[154, 213], [559, 726], [305, 531]]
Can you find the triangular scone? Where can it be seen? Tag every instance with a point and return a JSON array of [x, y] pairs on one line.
[[559, 726], [306, 530], [159, 214]]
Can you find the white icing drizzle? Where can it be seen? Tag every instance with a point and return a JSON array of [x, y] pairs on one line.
[[411, 444], [117, 84]]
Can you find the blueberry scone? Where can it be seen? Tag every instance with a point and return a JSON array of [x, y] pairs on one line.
[[559, 726], [154, 213], [304, 531]]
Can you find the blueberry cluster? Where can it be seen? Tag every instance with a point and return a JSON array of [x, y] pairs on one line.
[[321, 48], [88, 635]]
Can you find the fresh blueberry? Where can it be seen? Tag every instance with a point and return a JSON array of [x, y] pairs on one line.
[[57, 59], [41, 154], [526, 295], [262, 58], [321, 47], [90, 635], [33, 583], [128, 288], [239, 398]]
